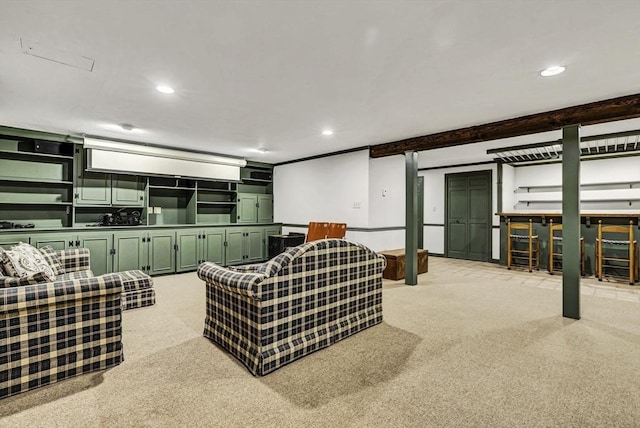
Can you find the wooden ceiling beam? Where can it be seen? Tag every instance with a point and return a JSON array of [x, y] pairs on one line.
[[627, 107]]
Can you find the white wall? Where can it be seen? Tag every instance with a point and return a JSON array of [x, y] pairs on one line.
[[334, 189]]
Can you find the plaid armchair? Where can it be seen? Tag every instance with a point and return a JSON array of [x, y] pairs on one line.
[[55, 330], [302, 300]]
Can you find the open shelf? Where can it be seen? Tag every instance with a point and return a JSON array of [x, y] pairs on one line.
[[217, 203], [32, 155]]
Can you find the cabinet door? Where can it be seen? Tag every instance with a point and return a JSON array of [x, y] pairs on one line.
[[127, 190], [9, 240], [188, 249], [268, 231], [89, 188], [162, 255], [59, 241], [247, 211], [254, 241], [265, 208], [131, 251], [213, 246], [235, 246], [99, 245]]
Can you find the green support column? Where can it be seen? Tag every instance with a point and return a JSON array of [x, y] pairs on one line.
[[571, 222], [500, 172], [411, 231]]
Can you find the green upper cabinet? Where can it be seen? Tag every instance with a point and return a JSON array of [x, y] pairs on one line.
[[247, 208], [127, 190], [89, 188], [265, 208]]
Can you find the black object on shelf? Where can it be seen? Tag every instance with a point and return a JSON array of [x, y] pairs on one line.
[[6, 225], [279, 243], [260, 175]]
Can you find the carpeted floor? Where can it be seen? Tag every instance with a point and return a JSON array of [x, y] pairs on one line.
[[472, 345]]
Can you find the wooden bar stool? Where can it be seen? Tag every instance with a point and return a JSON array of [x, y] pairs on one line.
[[612, 243], [555, 249], [522, 246]]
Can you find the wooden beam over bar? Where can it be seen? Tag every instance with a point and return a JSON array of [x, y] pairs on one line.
[[627, 107]]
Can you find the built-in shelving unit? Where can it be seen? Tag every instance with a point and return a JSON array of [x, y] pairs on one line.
[[613, 195]]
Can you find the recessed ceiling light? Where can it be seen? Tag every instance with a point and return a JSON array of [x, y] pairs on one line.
[[552, 71], [165, 89], [327, 132], [121, 127], [127, 126]]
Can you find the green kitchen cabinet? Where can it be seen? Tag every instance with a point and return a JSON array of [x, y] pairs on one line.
[[131, 251], [265, 208], [99, 245], [162, 252], [235, 252], [89, 188], [245, 245], [188, 249], [213, 246], [8, 240], [127, 190], [254, 208]]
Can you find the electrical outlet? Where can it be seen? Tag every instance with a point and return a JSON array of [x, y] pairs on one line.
[[356, 205]]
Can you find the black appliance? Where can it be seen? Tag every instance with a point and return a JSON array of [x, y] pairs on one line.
[[279, 243], [260, 175], [121, 218]]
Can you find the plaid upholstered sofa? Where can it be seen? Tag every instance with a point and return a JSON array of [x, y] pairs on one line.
[[302, 300], [50, 331]]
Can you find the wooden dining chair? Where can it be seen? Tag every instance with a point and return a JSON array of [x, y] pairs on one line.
[[337, 230], [317, 230]]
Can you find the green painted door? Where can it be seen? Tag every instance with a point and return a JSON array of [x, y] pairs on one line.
[[89, 188], [162, 255], [131, 251], [213, 246], [235, 246], [265, 208], [59, 241], [247, 211], [188, 249], [254, 242], [9, 240], [99, 245], [268, 231], [468, 216], [127, 190]]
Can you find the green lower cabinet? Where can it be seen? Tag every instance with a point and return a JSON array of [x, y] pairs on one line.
[[188, 249], [235, 246], [8, 240], [162, 258], [99, 245], [213, 249], [59, 241], [254, 242], [131, 251]]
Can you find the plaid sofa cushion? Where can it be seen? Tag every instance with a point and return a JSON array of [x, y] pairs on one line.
[[51, 256], [75, 259]]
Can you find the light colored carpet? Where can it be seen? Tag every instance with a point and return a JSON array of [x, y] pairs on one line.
[[472, 345]]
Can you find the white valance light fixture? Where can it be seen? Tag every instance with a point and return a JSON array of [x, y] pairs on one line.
[[115, 156]]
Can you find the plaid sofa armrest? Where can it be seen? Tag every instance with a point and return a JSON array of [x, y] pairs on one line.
[[34, 278], [245, 283], [75, 259], [245, 268], [58, 292]]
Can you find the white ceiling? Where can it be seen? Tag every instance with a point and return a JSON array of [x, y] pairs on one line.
[[273, 74]]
